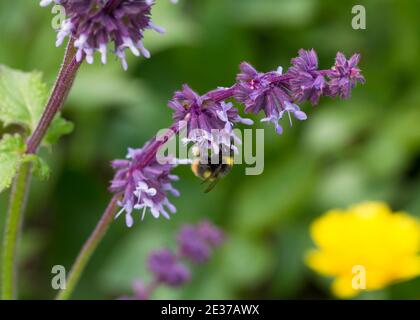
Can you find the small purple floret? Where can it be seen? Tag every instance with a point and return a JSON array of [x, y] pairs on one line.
[[306, 82], [344, 76]]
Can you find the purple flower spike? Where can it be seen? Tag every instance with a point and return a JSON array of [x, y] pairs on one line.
[[344, 76], [275, 94], [167, 269], [95, 23], [205, 115], [306, 81], [143, 187], [209, 121], [196, 241]]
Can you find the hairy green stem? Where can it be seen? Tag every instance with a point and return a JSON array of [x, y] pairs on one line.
[[12, 229], [20, 188], [88, 249]]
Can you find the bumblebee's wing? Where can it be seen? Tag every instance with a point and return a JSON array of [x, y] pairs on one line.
[[214, 175], [213, 179], [211, 185], [207, 179]]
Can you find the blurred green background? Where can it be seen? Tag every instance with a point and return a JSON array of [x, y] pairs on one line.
[[366, 148]]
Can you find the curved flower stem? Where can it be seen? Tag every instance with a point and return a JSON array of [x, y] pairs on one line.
[[14, 221], [157, 143], [106, 219], [57, 98], [88, 249]]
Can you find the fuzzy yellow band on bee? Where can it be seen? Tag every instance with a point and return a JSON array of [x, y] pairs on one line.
[[229, 161], [207, 174], [195, 166]]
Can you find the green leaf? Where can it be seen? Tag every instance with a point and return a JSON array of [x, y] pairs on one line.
[[39, 166], [58, 128], [23, 96], [11, 154]]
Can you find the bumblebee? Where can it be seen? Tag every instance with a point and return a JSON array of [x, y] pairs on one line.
[[211, 171]]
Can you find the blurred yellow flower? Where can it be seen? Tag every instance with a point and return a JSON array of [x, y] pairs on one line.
[[365, 247]]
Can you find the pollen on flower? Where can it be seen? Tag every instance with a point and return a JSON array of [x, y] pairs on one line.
[[369, 235]]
